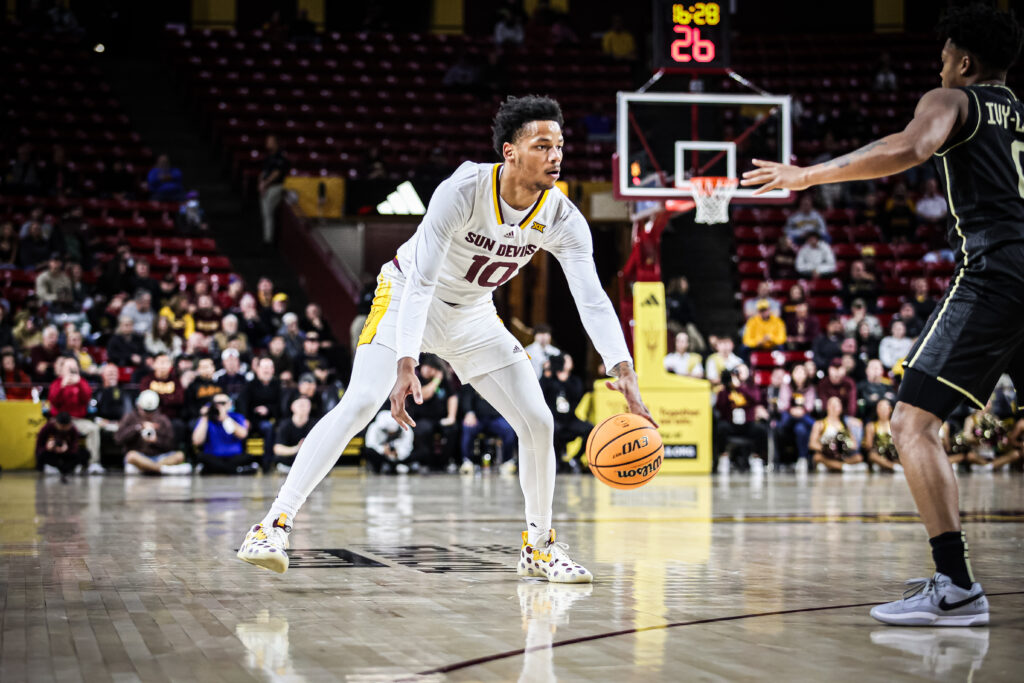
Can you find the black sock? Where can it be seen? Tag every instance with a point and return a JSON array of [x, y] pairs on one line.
[[949, 550]]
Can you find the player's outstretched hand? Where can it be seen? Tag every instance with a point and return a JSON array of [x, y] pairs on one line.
[[627, 385], [771, 175], [407, 384]]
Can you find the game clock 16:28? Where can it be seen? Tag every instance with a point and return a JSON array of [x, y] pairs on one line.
[[691, 35]]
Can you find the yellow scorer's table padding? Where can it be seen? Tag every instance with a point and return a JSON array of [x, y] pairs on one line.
[[20, 421]]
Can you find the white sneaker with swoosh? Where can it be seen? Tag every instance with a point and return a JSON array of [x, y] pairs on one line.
[[935, 602]]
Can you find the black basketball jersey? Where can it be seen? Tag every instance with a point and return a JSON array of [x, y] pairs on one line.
[[982, 168]]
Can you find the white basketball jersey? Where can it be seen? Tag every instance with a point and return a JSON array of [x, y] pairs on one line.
[[495, 241]]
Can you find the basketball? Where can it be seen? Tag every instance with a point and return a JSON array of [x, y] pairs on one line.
[[624, 451]]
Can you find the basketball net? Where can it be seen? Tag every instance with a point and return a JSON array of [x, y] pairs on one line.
[[711, 195]]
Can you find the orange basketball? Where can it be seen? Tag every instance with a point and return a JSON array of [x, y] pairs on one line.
[[624, 451]]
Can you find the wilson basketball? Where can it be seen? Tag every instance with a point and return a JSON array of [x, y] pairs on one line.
[[624, 451]]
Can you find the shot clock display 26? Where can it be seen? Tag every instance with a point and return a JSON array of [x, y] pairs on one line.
[[691, 35]]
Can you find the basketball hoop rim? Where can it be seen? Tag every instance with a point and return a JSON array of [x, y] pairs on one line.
[[707, 184]]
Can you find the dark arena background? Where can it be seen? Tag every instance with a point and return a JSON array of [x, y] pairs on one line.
[[196, 197]]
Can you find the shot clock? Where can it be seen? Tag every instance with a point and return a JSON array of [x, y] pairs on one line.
[[691, 35]]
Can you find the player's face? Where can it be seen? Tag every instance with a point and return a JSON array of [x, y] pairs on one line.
[[952, 59], [538, 154]]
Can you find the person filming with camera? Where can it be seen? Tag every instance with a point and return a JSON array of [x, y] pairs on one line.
[[219, 438], [148, 439]]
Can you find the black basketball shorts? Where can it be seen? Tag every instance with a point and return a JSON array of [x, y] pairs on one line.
[[974, 335]]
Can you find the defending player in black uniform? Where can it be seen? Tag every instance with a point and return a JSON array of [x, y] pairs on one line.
[[973, 127]]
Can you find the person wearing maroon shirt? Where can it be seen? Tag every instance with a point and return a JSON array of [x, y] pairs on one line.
[[836, 383], [17, 383], [801, 328], [43, 357], [71, 394], [206, 317], [166, 384], [57, 446], [741, 414]]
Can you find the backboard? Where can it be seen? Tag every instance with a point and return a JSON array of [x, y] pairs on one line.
[[664, 139]]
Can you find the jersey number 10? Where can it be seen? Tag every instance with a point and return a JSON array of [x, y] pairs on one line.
[[489, 276]]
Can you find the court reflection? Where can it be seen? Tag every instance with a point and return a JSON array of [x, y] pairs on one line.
[[545, 606], [266, 642], [937, 653]]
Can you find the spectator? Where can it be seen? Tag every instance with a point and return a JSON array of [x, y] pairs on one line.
[[805, 221], [867, 342], [26, 333], [313, 321], [43, 357], [896, 346], [920, 299], [165, 383], [17, 384], [228, 332], [721, 361], [200, 390], [118, 275], [53, 282], [740, 415], [801, 328], [873, 389], [480, 417], [143, 280], [898, 217], [112, 402], [147, 437], [682, 361], [764, 331], [231, 378], [8, 246], [885, 78], [125, 347], [563, 392], [260, 402], [836, 383], [250, 323], [829, 345], [617, 42], [265, 294], [436, 415], [388, 446], [833, 441], [878, 443], [796, 296], [931, 207], [271, 186], [228, 299], [278, 352], [160, 338], [859, 315], [23, 173], [165, 182], [6, 333], [861, 284], [764, 293], [34, 248], [292, 431], [140, 310], [796, 402], [293, 338], [71, 394], [541, 349], [463, 75], [57, 447], [306, 386], [508, 29], [220, 435], [191, 218], [815, 258], [682, 316], [73, 348], [169, 291], [57, 177], [206, 318], [311, 360], [782, 264]]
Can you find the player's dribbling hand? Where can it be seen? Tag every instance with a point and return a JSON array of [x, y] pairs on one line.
[[407, 384], [627, 385], [771, 175]]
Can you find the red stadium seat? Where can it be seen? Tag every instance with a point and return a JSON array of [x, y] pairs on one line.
[[825, 304], [889, 303], [753, 268], [821, 286]]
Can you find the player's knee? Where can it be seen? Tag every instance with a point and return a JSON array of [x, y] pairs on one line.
[[909, 424]]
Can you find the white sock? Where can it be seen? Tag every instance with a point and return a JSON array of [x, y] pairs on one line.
[[537, 529]]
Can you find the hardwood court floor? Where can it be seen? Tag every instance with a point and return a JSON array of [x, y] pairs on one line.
[[407, 578]]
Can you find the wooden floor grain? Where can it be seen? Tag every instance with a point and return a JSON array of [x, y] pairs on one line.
[[408, 578]]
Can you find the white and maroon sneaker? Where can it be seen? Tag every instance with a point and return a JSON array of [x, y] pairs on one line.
[[265, 546], [550, 560]]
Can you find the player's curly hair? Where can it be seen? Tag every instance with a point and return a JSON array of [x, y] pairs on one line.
[[994, 37], [516, 112]]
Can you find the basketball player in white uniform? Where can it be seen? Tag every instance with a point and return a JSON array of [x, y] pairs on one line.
[[483, 224]]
